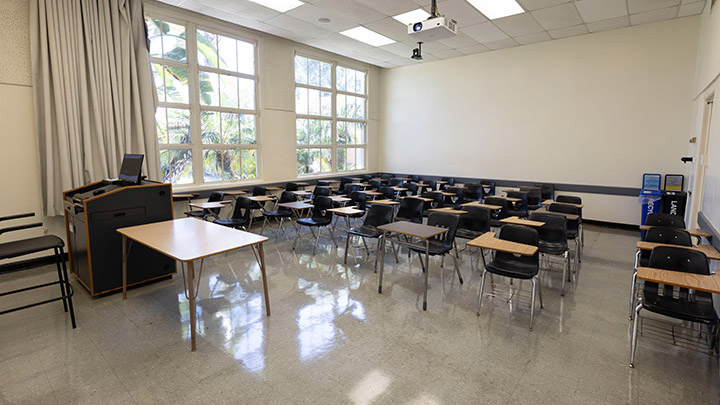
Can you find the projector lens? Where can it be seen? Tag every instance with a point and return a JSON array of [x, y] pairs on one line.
[[417, 27]]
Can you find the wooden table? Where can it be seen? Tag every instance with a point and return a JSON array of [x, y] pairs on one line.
[[345, 212], [274, 188], [302, 184], [412, 229], [399, 189], [372, 193], [518, 221], [210, 205], [262, 198], [424, 199], [709, 250], [680, 279], [569, 217], [297, 205], [489, 241], [447, 193], [187, 240], [301, 193], [511, 199], [340, 199], [184, 195], [384, 202], [235, 193], [448, 210], [692, 231], [548, 202], [479, 204]]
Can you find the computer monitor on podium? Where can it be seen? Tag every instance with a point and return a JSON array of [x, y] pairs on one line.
[[131, 168]]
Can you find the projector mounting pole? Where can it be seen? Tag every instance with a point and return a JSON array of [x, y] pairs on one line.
[[433, 9]]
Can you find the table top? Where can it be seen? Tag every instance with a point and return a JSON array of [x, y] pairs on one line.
[[697, 282], [396, 188], [518, 221], [422, 184], [235, 192], [448, 210], [384, 202], [691, 231], [184, 195], [511, 199], [297, 205], [346, 211], [421, 231], [339, 198], [440, 182], [209, 205], [302, 184], [479, 204], [709, 250], [189, 239], [274, 188], [372, 193], [425, 199], [301, 192], [548, 202], [447, 193], [489, 241], [262, 198], [569, 217]]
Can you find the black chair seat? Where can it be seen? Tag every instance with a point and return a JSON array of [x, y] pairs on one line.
[[358, 215], [495, 223], [468, 234], [700, 310], [514, 269], [314, 222], [281, 213], [572, 233], [196, 214], [533, 207], [365, 231], [436, 248], [552, 248], [22, 247], [233, 223], [517, 213]]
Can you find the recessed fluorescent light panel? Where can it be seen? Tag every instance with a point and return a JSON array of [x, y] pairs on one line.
[[412, 16], [363, 34], [494, 9], [279, 5]]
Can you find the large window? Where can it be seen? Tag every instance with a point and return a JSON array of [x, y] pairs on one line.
[[331, 121], [207, 115]]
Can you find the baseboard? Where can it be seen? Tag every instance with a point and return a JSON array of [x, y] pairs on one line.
[[615, 225], [29, 263]]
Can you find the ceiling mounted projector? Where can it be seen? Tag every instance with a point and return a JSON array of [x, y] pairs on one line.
[[432, 29]]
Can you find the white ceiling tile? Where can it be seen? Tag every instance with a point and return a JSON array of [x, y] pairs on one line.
[[568, 32], [380, 54], [654, 16], [352, 10], [434, 47], [598, 10], [244, 8], [311, 13], [691, 1], [642, 6], [501, 44], [562, 16], [533, 38], [485, 32], [399, 49], [469, 50], [450, 53], [691, 9], [610, 24], [461, 11], [295, 25], [459, 41], [538, 4], [518, 25], [392, 7], [364, 58], [390, 28]]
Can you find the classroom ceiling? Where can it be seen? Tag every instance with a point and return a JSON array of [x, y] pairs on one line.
[[543, 20]]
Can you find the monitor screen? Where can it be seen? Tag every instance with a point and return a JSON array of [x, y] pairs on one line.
[[131, 168]]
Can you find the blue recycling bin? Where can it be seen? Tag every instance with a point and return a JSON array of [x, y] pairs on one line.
[[650, 196]]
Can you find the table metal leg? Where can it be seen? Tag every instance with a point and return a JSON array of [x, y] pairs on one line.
[[190, 288], [427, 272], [124, 266], [382, 259], [264, 278]]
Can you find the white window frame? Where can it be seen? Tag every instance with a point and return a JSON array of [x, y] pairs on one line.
[[333, 118], [196, 146]]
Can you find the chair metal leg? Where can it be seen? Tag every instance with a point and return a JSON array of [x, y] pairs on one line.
[[480, 293], [457, 269], [422, 263], [633, 339], [367, 249], [395, 252], [262, 228], [68, 288], [377, 252], [632, 296], [347, 246], [332, 235], [540, 291], [565, 273], [532, 302], [297, 235], [58, 259], [317, 239]]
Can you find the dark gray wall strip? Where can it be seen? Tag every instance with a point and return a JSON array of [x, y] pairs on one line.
[[705, 225]]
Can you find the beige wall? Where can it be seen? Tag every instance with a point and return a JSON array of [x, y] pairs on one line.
[[598, 109]]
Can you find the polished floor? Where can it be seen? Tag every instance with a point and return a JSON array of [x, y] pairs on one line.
[[332, 339]]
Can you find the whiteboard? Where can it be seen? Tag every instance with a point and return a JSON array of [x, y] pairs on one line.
[[711, 184]]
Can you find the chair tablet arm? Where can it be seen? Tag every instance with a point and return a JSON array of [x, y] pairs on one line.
[[16, 216], [19, 227]]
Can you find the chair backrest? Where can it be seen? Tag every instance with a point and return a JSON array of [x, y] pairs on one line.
[[215, 196], [387, 192], [322, 183], [375, 184], [477, 219], [431, 185], [450, 181], [359, 199], [386, 176], [378, 215], [394, 182], [287, 197], [681, 260], [547, 191], [321, 205], [366, 177], [444, 220], [292, 187], [411, 209], [414, 178], [491, 183], [242, 209], [412, 188], [349, 188], [459, 191], [473, 192], [670, 236], [568, 209], [524, 235], [668, 220], [569, 199], [259, 190], [345, 180], [534, 197], [523, 204], [321, 191], [503, 212], [438, 200], [555, 228]]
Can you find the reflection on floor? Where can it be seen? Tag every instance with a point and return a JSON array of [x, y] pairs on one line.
[[333, 339]]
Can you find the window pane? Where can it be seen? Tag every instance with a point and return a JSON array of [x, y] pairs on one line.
[[209, 94], [214, 163], [176, 165], [343, 135], [301, 100], [320, 132], [300, 70], [359, 158], [178, 126], [248, 134], [350, 80], [173, 38], [228, 91], [210, 127], [325, 103], [351, 159], [302, 161], [359, 133], [161, 125], [229, 164], [313, 102], [159, 79], [341, 103], [155, 37], [247, 94], [301, 131], [207, 49], [340, 79], [325, 160], [249, 163], [360, 82], [325, 75], [230, 128], [342, 159], [313, 72], [227, 51], [176, 84], [246, 58]]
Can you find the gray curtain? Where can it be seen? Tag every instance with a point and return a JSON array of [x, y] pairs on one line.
[[94, 97]]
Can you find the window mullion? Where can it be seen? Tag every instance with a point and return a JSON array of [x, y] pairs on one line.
[[333, 106], [194, 86]]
